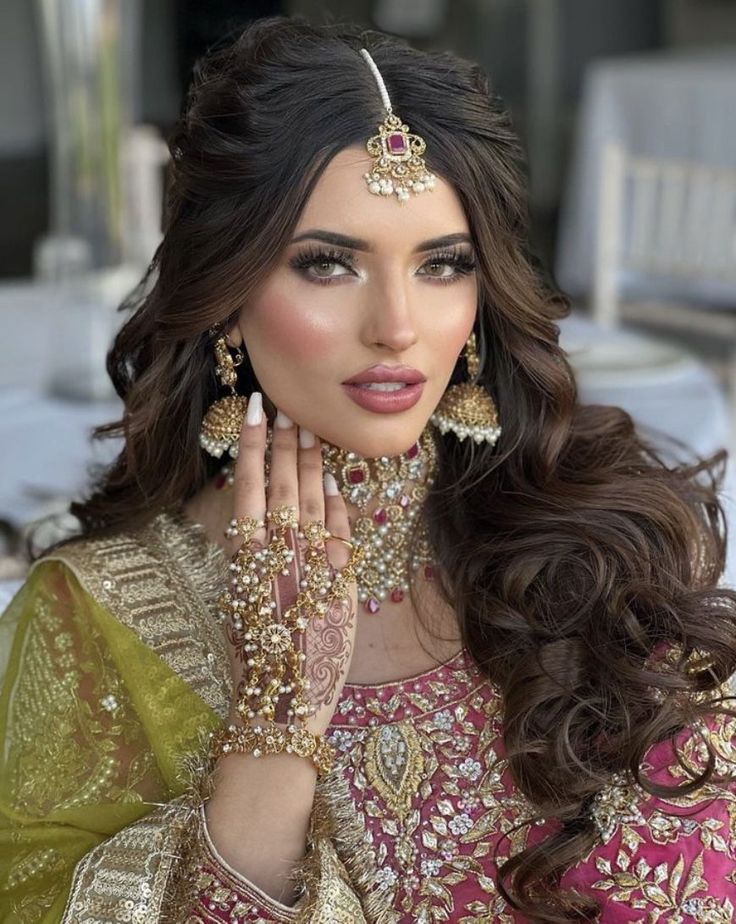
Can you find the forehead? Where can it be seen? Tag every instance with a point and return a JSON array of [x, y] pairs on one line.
[[340, 201]]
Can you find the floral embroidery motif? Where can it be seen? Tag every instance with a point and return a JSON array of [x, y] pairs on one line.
[[617, 804], [666, 891], [394, 765]]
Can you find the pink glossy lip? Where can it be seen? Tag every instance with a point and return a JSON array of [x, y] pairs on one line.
[[385, 402], [383, 373]]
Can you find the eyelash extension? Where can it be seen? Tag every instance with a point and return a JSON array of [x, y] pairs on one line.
[[312, 255], [460, 259]]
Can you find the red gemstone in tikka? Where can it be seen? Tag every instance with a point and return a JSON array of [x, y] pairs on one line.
[[396, 143]]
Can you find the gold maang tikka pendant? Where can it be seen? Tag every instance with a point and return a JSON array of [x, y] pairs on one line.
[[398, 165]]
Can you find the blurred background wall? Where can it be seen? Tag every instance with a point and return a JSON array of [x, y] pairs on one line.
[[627, 109], [536, 52]]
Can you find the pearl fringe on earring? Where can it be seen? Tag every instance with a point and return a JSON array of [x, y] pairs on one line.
[[467, 409]]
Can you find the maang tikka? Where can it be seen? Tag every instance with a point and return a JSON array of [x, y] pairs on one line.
[[223, 421], [398, 166]]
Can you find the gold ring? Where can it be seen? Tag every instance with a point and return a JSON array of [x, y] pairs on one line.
[[245, 527], [283, 517], [315, 530]]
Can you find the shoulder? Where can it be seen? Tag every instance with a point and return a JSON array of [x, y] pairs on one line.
[[670, 857], [102, 562], [163, 560]]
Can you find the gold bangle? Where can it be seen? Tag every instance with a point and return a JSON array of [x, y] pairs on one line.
[[260, 740]]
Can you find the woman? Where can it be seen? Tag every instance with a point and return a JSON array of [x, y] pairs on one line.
[[484, 619]]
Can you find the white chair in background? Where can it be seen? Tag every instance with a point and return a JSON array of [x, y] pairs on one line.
[[665, 251]]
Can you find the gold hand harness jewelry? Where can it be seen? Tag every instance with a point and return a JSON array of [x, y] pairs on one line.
[[271, 649]]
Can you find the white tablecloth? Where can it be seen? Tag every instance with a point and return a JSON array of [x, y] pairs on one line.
[[47, 451], [687, 403], [675, 105]]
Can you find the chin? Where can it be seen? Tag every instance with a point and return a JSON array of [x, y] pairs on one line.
[[383, 440]]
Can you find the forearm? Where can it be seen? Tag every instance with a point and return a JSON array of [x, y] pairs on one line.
[[258, 818]]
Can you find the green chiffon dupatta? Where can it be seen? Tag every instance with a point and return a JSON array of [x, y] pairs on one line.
[[94, 728]]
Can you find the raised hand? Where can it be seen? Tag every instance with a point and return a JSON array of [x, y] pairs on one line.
[[290, 614]]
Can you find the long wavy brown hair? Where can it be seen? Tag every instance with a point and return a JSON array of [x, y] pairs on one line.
[[570, 550]]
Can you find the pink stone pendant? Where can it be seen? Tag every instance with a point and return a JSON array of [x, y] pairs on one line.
[[397, 143]]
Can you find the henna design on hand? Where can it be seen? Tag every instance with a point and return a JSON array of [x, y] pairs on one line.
[[329, 647]]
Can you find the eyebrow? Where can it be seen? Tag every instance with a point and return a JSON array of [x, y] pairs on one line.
[[356, 243]]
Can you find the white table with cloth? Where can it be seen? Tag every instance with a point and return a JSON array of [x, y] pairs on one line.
[[671, 104], [47, 451]]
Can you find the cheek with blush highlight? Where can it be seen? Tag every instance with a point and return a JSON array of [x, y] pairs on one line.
[[283, 329]]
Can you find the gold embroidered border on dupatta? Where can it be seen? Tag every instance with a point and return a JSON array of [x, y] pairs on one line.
[[160, 581], [126, 877]]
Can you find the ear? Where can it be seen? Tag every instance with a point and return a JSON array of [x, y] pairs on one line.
[[234, 335]]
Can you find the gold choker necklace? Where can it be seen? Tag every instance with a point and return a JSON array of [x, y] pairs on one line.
[[400, 485]]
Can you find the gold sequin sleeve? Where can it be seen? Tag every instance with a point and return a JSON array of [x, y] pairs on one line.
[[100, 793]]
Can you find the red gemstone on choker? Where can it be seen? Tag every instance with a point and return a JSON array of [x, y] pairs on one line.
[[397, 595], [356, 476], [396, 143], [429, 572], [412, 451], [380, 515], [220, 481], [372, 605]]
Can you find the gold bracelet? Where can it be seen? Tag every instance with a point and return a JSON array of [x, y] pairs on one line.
[[260, 740]]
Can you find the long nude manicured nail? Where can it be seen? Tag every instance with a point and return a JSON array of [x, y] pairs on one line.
[[282, 421], [306, 438], [331, 487], [254, 414]]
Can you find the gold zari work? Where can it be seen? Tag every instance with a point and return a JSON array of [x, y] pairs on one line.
[[110, 695]]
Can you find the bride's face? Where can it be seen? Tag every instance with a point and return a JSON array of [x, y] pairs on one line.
[[365, 280]]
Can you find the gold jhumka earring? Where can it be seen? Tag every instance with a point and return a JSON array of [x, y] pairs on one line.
[[467, 409], [222, 423]]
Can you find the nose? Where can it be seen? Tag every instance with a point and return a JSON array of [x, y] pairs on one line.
[[389, 316]]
